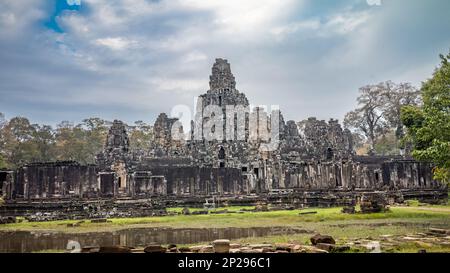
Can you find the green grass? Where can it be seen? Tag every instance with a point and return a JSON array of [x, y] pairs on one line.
[[248, 219]]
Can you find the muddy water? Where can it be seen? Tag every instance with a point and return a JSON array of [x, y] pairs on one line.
[[21, 241]]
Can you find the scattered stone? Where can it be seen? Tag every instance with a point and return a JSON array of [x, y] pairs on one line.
[[199, 212], [137, 250], [114, 249], [308, 249], [308, 212], [326, 239], [90, 249], [374, 202], [374, 247], [207, 249], [234, 246], [155, 249], [254, 246], [185, 211], [261, 207], [284, 247], [349, 210], [332, 247], [100, 220], [221, 246], [8, 220], [197, 248], [423, 244], [184, 249], [438, 231]]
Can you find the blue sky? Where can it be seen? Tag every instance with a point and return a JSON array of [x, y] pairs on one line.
[[132, 59]]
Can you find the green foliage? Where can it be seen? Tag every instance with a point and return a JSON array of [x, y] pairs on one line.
[[3, 163], [22, 142], [387, 144], [429, 125], [141, 136]]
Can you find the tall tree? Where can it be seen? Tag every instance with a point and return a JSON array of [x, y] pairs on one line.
[[395, 97], [44, 140], [17, 141], [71, 142], [368, 117], [429, 125], [141, 136], [96, 132]]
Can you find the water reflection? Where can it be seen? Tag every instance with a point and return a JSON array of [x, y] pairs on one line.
[[22, 241]]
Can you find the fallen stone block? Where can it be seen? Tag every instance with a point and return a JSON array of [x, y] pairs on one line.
[[155, 249], [307, 212], [221, 246], [114, 249], [326, 239], [100, 220]]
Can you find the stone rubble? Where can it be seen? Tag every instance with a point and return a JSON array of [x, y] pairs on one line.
[[320, 244]]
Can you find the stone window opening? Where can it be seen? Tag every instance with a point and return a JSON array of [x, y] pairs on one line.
[[329, 154], [119, 182], [256, 172], [221, 153], [220, 100]]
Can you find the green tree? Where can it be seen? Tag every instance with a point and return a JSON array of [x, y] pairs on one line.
[[17, 142], [3, 163], [141, 136], [71, 142], [429, 125], [368, 118], [44, 141], [95, 134]]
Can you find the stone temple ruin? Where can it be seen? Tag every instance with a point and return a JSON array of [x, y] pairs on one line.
[[313, 163]]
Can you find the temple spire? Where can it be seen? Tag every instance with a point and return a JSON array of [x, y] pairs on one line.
[[221, 77]]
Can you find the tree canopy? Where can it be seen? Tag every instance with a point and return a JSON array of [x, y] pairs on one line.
[[429, 125], [22, 142], [378, 113]]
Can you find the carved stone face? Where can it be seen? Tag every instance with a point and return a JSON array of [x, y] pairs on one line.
[[222, 67]]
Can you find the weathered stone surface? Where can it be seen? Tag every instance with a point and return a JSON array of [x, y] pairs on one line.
[[221, 246], [332, 247], [185, 211], [349, 210], [206, 249], [325, 239], [114, 249], [373, 202], [155, 249]]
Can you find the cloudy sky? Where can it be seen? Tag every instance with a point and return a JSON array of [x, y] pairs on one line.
[[132, 59]]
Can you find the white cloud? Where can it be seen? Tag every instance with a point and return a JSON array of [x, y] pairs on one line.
[[116, 43], [337, 24], [347, 22]]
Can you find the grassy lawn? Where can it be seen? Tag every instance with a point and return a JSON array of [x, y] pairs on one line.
[[323, 217]]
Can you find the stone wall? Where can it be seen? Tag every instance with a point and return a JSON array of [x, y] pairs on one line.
[[55, 180]]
